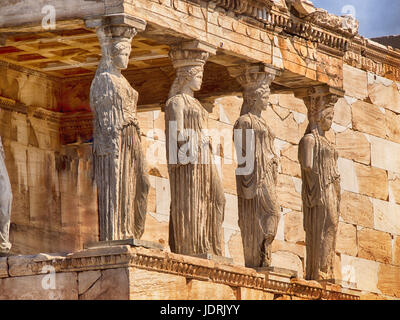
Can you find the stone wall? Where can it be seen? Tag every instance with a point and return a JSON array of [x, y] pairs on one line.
[[54, 207], [366, 131], [54, 200]]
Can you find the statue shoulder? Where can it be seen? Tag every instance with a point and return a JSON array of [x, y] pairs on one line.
[[307, 140], [175, 100], [102, 81], [243, 122]]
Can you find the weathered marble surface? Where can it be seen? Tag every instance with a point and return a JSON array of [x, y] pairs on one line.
[[5, 205], [122, 181], [122, 272], [320, 187], [256, 176], [197, 195]]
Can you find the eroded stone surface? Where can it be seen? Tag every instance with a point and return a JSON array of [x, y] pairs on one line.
[[396, 253], [394, 187], [112, 285], [252, 294], [360, 271], [386, 216], [285, 129], [3, 267], [283, 259], [355, 82], [87, 279], [346, 239], [342, 113], [199, 290], [386, 96], [24, 265], [389, 280], [294, 231], [385, 154], [346, 142], [288, 195], [374, 245], [357, 209], [348, 177], [298, 249], [40, 287], [368, 118], [372, 181], [392, 126], [145, 284]]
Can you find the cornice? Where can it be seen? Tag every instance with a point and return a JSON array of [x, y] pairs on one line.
[[315, 27], [170, 263], [373, 57]]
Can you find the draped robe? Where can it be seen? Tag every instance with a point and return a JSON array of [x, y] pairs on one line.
[[321, 201], [257, 200], [122, 181], [197, 197]]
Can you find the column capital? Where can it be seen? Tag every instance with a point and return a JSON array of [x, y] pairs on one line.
[[318, 98], [190, 54], [253, 76]]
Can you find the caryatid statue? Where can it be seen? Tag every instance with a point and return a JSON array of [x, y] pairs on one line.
[[257, 172], [197, 196], [321, 184], [120, 175], [5, 205]]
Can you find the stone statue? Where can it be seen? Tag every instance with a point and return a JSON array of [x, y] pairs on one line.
[[5, 205], [122, 181], [320, 187], [257, 200], [197, 196]]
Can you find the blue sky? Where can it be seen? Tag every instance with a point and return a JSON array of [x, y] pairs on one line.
[[377, 17]]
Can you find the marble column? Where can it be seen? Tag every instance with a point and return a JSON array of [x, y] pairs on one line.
[[5, 205], [320, 183], [257, 172], [197, 195], [119, 163]]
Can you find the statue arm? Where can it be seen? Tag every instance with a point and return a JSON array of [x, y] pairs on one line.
[[311, 188], [245, 149], [241, 145], [307, 152], [176, 106], [103, 105]]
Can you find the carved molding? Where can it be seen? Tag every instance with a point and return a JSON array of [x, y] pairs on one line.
[[369, 56], [165, 262], [316, 27]]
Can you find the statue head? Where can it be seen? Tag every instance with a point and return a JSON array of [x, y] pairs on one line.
[[189, 65], [256, 91], [120, 52], [321, 110], [325, 118], [115, 44], [258, 98], [188, 77]]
